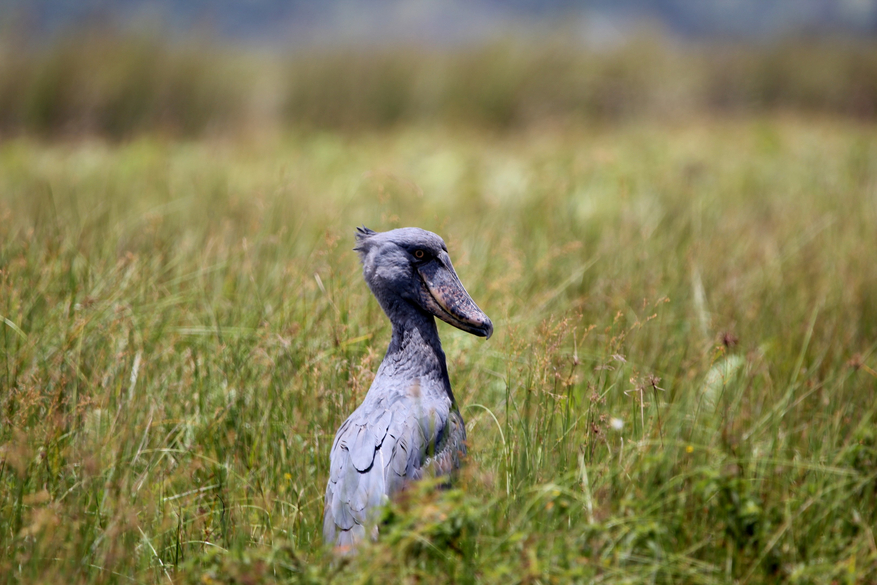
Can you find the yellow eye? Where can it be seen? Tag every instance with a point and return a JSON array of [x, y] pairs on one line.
[[419, 254]]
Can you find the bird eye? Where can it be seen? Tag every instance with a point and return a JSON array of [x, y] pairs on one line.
[[419, 254]]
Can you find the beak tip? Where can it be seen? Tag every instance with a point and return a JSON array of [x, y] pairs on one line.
[[488, 328]]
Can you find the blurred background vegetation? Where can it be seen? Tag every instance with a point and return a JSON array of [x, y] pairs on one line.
[[117, 82]]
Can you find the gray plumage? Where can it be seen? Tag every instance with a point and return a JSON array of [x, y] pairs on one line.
[[408, 425]]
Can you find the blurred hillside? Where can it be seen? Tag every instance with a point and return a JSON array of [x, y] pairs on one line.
[[118, 84], [297, 22]]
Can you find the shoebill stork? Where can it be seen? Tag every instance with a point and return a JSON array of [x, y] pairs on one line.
[[408, 426]]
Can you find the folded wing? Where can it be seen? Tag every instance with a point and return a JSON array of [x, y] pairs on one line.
[[376, 453]]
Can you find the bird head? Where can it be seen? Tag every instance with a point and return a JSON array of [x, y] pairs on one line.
[[412, 266]]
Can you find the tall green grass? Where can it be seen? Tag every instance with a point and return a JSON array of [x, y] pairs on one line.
[[680, 388]]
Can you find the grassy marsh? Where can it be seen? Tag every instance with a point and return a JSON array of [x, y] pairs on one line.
[[680, 387]]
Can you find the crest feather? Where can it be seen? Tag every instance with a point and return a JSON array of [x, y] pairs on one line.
[[363, 234]]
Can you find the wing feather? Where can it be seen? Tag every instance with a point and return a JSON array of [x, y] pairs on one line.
[[362, 448], [376, 453]]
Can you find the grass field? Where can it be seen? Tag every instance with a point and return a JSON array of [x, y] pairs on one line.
[[681, 387]]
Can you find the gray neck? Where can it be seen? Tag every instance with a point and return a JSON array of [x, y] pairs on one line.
[[415, 352]]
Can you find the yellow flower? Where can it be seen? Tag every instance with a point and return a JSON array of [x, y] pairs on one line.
[[689, 449]]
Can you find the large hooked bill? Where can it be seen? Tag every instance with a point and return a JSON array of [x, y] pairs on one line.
[[446, 298]]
